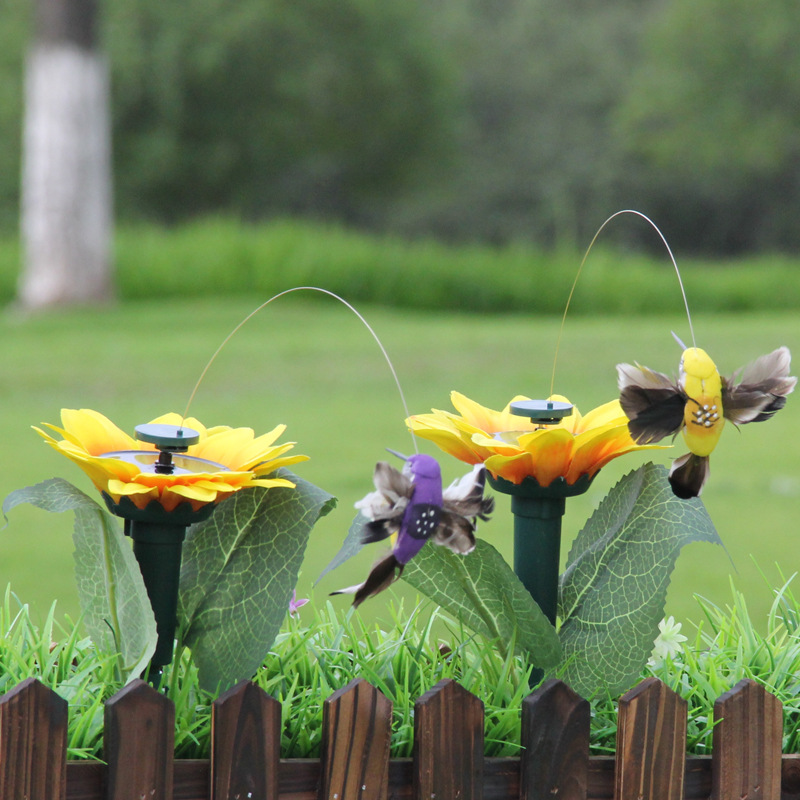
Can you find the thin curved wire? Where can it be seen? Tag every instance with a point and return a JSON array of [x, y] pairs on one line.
[[580, 269], [290, 291]]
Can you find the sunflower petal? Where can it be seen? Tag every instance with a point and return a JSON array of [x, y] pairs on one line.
[[512, 468], [88, 435], [515, 449], [551, 451], [93, 432]]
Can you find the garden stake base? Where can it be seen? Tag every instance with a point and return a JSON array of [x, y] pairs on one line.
[[157, 548], [158, 534], [157, 544], [538, 511]]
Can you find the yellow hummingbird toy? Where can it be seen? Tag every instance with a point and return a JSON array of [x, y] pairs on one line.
[[698, 404]]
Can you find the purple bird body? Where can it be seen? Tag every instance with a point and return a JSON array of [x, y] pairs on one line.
[[424, 512], [412, 507]]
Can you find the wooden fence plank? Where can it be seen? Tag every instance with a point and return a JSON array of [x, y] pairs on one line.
[[651, 743], [448, 744], [139, 744], [299, 779], [448, 763], [245, 744], [790, 777], [555, 744], [747, 744], [33, 743], [356, 736]]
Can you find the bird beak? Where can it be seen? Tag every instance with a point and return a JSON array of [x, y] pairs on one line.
[[678, 340], [395, 453]]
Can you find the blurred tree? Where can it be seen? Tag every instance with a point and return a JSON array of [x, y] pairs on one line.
[[66, 178], [480, 119], [14, 37], [309, 106], [538, 157], [714, 113]]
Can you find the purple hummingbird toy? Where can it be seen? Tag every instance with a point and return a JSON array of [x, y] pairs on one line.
[[411, 506]]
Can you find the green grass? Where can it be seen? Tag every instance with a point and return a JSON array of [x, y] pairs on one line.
[[56, 654], [210, 257], [326, 648], [729, 646], [213, 257], [311, 364]]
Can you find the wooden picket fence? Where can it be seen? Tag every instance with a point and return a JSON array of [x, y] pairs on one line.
[[448, 761]]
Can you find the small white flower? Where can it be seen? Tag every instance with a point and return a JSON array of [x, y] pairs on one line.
[[668, 643]]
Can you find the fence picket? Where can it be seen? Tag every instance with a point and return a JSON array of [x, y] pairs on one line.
[[448, 764], [245, 744], [448, 744], [356, 736], [651, 743], [555, 744], [747, 744], [33, 743], [138, 743]]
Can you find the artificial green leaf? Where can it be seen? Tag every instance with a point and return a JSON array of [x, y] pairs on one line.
[[113, 598], [613, 590], [352, 545], [482, 591], [239, 569]]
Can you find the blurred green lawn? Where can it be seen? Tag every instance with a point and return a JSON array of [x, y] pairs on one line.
[[311, 364]]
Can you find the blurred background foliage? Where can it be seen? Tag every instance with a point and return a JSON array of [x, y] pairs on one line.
[[350, 144], [460, 119]]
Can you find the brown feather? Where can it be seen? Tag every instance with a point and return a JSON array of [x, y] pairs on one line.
[[382, 576], [688, 475], [455, 532], [652, 402], [480, 507], [762, 389], [391, 483], [386, 505]]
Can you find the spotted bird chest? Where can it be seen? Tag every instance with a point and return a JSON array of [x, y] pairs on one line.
[[702, 415]]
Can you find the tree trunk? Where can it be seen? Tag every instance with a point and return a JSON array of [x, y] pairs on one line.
[[66, 170]]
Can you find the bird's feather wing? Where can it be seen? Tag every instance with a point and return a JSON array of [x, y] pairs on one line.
[[652, 401], [756, 392], [465, 495], [455, 532], [386, 505]]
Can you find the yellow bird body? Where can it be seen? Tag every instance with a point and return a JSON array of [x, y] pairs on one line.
[[703, 418], [698, 404]]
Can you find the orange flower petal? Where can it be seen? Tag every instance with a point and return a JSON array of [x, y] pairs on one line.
[[512, 468], [451, 443], [608, 413], [551, 451]]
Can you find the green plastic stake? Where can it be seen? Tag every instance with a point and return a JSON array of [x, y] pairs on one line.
[[538, 512], [157, 548], [158, 534]]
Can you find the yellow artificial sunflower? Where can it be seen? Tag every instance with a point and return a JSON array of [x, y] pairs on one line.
[[514, 448], [237, 457]]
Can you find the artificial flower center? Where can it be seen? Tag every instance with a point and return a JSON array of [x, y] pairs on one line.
[[509, 437], [181, 464]]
